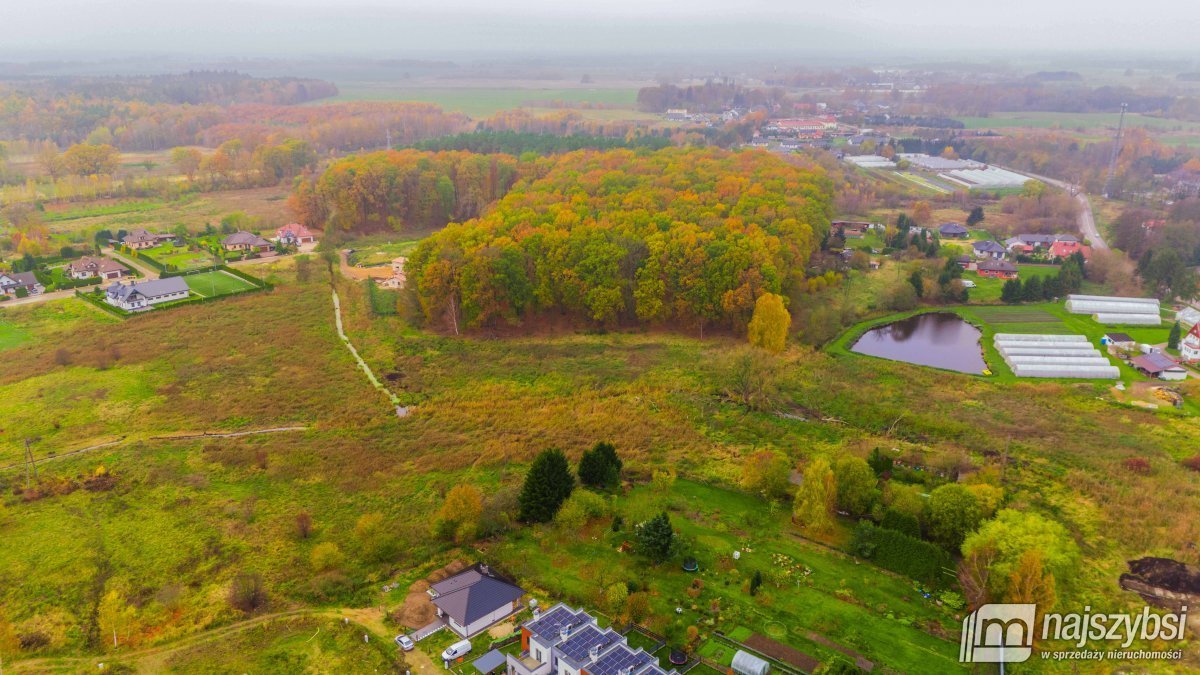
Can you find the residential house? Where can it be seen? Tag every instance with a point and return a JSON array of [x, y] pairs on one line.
[[964, 261], [989, 249], [142, 295], [677, 114], [246, 241], [1028, 243], [140, 239], [998, 269], [89, 267], [1065, 249], [565, 641], [1119, 341], [13, 282], [1189, 346], [475, 599], [294, 234], [1158, 365], [952, 231]]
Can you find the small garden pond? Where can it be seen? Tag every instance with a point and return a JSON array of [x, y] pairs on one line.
[[937, 339]]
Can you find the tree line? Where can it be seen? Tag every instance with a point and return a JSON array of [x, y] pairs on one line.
[[510, 142], [686, 237]]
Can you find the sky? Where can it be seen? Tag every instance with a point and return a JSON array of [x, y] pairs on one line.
[[409, 27]]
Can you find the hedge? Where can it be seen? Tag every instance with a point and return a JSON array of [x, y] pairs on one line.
[[902, 554], [94, 300], [901, 522]]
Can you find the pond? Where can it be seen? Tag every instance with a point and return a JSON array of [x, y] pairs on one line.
[[935, 339]]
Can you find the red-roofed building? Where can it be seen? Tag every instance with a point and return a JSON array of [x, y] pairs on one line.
[[1065, 249], [1189, 347], [294, 234]]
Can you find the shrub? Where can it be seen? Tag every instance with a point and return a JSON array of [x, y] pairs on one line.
[[246, 593], [901, 553], [901, 522], [326, 556], [1138, 465], [304, 524], [1192, 463]]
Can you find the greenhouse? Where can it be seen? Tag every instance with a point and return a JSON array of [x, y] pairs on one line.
[[1097, 304], [749, 664], [1136, 319], [1053, 356]]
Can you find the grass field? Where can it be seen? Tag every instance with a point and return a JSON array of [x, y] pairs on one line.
[[1047, 120], [212, 284], [178, 257], [381, 251], [987, 289], [167, 525], [484, 101], [11, 334]]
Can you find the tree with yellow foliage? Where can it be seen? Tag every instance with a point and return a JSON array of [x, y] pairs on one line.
[[769, 325], [458, 518], [815, 500]]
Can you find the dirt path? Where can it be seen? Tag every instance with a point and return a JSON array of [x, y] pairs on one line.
[[401, 411], [360, 273]]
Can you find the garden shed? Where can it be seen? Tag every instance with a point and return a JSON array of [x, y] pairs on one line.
[[745, 663]]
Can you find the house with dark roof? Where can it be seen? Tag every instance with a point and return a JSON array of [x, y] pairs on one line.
[[566, 641], [997, 269], [142, 295], [952, 231], [140, 239], [13, 283], [988, 249], [246, 241], [1158, 365], [1119, 340], [89, 267], [475, 599]]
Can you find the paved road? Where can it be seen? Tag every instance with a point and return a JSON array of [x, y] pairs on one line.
[[1087, 221], [43, 297]]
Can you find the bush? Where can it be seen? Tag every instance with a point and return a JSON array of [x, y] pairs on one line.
[[901, 553], [901, 522], [582, 506], [246, 593], [1192, 463], [326, 556], [1137, 465]]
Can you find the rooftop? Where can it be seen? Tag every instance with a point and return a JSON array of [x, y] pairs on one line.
[[552, 621], [473, 593]]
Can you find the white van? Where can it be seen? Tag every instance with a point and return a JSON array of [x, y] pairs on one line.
[[456, 650]]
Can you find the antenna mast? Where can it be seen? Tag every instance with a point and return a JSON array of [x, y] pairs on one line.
[[1116, 152]]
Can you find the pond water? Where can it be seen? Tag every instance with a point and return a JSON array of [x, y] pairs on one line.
[[934, 339]]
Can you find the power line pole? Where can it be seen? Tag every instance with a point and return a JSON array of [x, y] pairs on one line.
[[30, 463], [1116, 152]]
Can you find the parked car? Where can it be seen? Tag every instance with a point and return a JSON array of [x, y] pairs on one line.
[[456, 650], [405, 643]]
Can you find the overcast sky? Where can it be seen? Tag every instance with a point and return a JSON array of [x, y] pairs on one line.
[[407, 27]]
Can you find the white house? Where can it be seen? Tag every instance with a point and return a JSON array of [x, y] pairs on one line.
[[565, 641], [137, 296], [11, 283], [475, 599], [88, 267], [1189, 346]]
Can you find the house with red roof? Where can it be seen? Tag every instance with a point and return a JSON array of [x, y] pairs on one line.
[[1065, 249], [1189, 346]]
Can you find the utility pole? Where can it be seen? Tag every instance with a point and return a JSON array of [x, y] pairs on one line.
[[389, 139], [1116, 152]]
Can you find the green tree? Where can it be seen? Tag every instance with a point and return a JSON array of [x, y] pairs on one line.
[[1011, 291], [918, 283], [656, 537], [1175, 335], [374, 538], [815, 500], [999, 543], [953, 513], [1031, 290], [856, 485], [769, 325], [600, 466], [880, 463], [547, 485]]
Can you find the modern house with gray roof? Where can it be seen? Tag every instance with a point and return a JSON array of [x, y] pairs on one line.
[[13, 282], [565, 641], [475, 599], [986, 248], [953, 231], [142, 295], [246, 241]]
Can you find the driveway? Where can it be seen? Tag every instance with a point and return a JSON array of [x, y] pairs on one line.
[[150, 272]]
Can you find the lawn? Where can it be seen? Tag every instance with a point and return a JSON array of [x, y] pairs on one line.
[[212, 284], [987, 289], [180, 258], [373, 251], [11, 334]]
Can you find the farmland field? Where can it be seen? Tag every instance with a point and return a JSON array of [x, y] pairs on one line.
[[212, 284], [1047, 120]]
